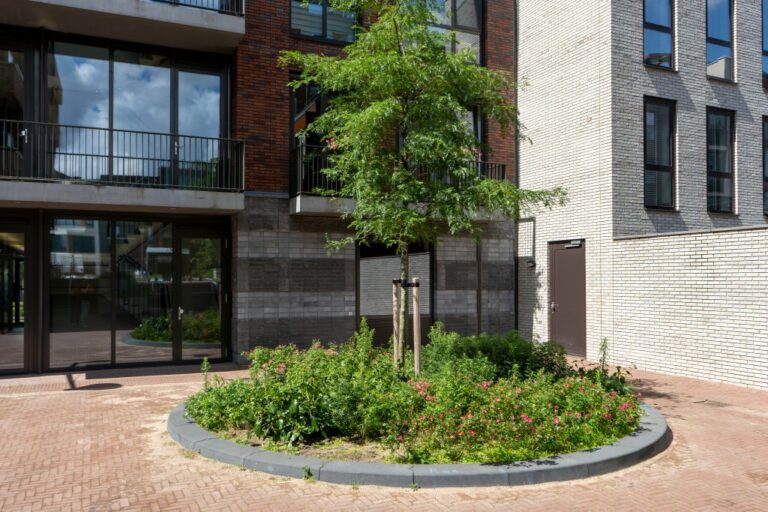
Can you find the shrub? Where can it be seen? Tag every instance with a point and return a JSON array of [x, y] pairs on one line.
[[479, 399], [154, 329]]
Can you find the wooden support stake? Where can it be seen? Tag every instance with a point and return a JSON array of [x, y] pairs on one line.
[[396, 320], [416, 328]]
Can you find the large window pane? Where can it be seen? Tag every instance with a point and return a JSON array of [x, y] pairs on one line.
[[307, 18], [80, 293], [719, 19], [659, 189], [142, 103], [341, 25], [658, 134], [11, 301], [658, 48], [144, 285], [12, 86], [202, 298], [719, 61], [467, 40], [659, 12], [468, 13], [78, 96], [720, 160]]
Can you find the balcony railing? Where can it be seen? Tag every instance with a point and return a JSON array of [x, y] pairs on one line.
[[231, 7], [308, 162], [76, 154]]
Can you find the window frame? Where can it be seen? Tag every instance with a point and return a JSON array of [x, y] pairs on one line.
[[671, 169], [324, 38], [765, 163], [455, 27], [721, 42], [764, 13], [732, 153], [661, 28]]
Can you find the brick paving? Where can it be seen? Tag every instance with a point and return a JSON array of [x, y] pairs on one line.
[[97, 441]]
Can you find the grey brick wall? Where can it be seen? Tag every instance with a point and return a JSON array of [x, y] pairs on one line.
[[690, 304]]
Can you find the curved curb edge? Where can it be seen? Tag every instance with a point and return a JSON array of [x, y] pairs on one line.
[[650, 438]]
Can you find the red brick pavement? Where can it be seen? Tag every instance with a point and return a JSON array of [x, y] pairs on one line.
[[103, 446]]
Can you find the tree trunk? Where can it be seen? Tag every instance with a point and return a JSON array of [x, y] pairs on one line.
[[403, 313]]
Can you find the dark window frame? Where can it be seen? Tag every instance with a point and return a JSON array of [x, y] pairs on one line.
[[661, 28], [671, 169], [765, 162], [721, 42], [731, 175], [324, 38], [455, 27]]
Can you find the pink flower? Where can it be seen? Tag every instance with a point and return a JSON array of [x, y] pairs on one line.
[[624, 406], [526, 418], [613, 394], [400, 438], [581, 389], [429, 398], [471, 433], [608, 416], [281, 368], [422, 418]]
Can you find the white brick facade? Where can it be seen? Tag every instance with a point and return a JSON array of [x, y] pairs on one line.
[[680, 291]]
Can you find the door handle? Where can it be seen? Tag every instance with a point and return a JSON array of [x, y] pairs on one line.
[[552, 307], [181, 312]]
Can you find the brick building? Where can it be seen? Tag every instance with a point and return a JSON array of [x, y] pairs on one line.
[[653, 115], [156, 205]]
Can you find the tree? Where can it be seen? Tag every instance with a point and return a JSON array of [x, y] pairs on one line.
[[398, 141]]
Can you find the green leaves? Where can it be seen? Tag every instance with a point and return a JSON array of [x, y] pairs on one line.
[[403, 148]]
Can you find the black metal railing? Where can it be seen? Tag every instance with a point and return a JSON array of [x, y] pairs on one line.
[[231, 7], [54, 152], [308, 163]]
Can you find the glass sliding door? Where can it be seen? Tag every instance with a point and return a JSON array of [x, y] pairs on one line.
[[12, 346], [203, 297], [80, 293], [199, 127], [144, 256]]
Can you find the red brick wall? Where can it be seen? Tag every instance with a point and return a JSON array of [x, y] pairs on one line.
[[260, 106], [260, 103], [500, 54]]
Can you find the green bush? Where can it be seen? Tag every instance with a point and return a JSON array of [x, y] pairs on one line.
[[154, 329], [479, 399]]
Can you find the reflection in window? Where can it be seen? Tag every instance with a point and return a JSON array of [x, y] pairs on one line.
[[199, 127], [658, 33], [316, 18], [78, 99], [12, 109], [144, 252], [719, 39], [142, 103], [765, 43], [464, 19], [80, 301], [659, 153], [720, 137]]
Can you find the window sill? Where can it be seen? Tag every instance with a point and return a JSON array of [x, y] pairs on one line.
[[663, 209], [321, 40], [722, 213], [661, 68], [722, 80]]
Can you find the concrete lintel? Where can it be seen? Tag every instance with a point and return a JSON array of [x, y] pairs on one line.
[[140, 21], [34, 195], [319, 206]]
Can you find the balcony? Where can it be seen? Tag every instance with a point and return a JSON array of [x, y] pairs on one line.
[[307, 179], [201, 25], [134, 170]]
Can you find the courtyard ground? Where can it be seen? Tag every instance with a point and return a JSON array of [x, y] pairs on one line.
[[97, 441]]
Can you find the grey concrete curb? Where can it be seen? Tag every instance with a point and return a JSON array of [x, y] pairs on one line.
[[650, 438]]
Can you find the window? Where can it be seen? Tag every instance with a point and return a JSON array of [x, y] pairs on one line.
[[464, 18], [765, 43], [659, 153], [765, 165], [658, 35], [720, 139], [317, 19], [720, 39]]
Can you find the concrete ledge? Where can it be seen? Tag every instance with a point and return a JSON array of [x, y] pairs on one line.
[[30, 194], [651, 437]]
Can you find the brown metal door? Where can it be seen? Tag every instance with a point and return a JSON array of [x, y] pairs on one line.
[[568, 297]]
